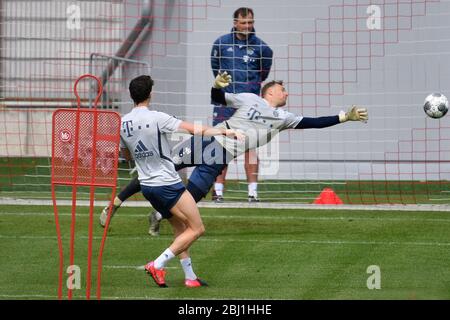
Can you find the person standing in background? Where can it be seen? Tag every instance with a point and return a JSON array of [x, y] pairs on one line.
[[248, 60]]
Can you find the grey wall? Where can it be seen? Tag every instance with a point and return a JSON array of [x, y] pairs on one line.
[[329, 60]]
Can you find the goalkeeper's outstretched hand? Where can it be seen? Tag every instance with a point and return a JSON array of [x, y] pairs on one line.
[[222, 80], [354, 113]]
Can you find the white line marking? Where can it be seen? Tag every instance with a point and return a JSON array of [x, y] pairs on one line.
[[240, 205], [287, 241], [244, 217]]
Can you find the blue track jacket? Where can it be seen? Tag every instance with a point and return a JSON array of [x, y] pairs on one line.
[[248, 61]]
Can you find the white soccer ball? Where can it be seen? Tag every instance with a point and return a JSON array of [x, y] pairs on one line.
[[435, 105]]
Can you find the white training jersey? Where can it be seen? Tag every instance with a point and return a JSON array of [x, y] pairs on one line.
[[144, 132], [257, 119]]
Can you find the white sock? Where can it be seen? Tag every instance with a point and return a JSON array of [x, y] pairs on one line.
[[189, 273], [162, 260], [218, 188], [252, 189], [116, 205], [158, 216], [117, 202]]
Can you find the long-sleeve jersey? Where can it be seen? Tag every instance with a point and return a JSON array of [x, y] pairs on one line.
[[257, 119], [260, 121]]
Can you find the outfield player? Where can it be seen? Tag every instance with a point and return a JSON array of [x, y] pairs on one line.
[[261, 118], [144, 137]]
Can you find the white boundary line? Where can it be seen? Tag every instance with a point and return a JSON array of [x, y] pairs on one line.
[[241, 217], [287, 241], [260, 205]]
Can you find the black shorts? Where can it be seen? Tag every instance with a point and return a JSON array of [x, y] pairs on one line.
[[163, 198]]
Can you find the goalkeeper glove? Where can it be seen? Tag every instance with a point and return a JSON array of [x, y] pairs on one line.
[[354, 114], [222, 80]]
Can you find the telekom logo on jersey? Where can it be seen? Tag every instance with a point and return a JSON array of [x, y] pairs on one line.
[[128, 127]]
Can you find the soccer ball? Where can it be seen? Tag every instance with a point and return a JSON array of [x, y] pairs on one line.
[[436, 105]]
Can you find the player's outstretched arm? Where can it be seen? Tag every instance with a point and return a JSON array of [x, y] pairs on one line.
[[354, 113]]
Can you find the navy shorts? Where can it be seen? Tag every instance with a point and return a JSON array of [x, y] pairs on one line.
[[209, 158], [163, 198], [222, 113]]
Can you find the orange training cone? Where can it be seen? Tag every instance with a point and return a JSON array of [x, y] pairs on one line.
[[328, 196]]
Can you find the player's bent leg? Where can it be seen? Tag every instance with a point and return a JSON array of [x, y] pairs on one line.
[[178, 228], [187, 212], [190, 278], [165, 200], [132, 188]]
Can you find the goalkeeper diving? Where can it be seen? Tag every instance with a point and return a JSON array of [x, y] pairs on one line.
[[260, 117]]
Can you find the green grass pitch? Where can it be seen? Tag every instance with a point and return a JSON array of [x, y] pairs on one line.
[[29, 178], [245, 254]]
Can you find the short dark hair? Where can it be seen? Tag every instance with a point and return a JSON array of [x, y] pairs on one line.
[[270, 85], [243, 11], [140, 88]]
